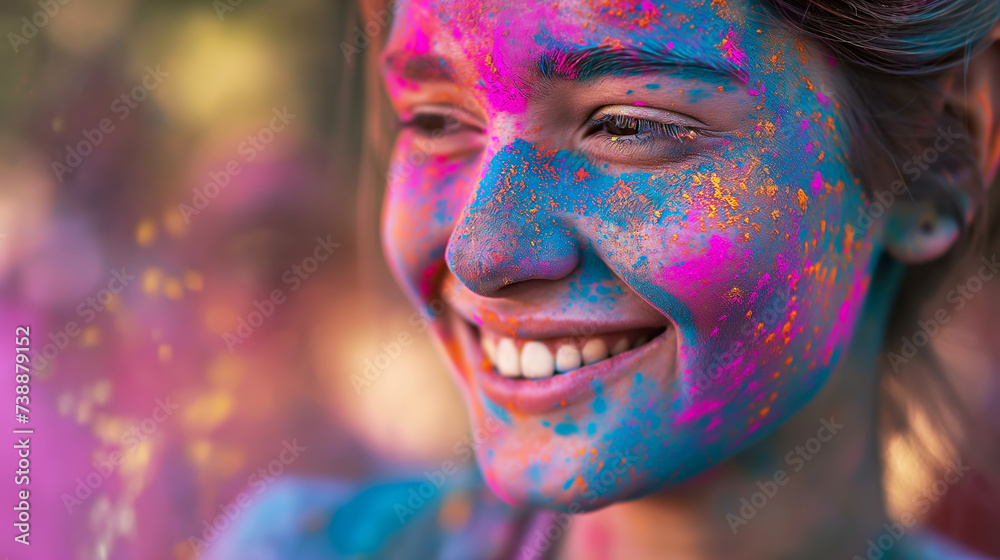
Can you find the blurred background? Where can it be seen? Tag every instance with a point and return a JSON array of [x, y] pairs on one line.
[[173, 176], [209, 88]]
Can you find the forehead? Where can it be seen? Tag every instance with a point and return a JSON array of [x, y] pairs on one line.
[[505, 45]]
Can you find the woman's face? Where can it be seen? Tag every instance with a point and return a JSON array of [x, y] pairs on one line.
[[634, 225]]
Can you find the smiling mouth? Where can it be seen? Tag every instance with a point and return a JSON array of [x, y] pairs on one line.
[[540, 374], [520, 358]]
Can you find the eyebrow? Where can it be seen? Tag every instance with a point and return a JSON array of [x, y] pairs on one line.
[[418, 68], [582, 64], [593, 62]]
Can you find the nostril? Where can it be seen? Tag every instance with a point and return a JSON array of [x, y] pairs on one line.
[[484, 273], [487, 262]]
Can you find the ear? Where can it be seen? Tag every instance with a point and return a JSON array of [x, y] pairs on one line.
[[976, 96], [924, 231]]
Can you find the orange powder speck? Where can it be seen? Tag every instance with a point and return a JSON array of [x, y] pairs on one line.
[[803, 200], [771, 187], [613, 43], [848, 236]]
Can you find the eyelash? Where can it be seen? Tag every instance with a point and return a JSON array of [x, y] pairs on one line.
[[420, 125], [609, 136], [644, 128]]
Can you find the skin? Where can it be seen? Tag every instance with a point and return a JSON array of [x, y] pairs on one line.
[[522, 218]]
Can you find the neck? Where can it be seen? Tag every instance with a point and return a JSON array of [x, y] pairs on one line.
[[780, 499]]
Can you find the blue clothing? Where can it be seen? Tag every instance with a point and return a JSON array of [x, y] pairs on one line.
[[455, 519], [316, 519]]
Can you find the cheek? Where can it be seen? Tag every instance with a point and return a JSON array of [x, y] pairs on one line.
[[425, 196], [758, 269]]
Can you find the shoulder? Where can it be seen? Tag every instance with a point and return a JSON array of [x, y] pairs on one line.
[[309, 518], [927, 545]]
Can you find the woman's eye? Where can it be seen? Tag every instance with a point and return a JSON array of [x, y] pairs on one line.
[[623, 125], [443, 130], [622, 129], [641, 136], [430, 123], [439, 121]]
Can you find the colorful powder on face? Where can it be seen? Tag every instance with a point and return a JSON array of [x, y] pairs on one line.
[[728, 244]]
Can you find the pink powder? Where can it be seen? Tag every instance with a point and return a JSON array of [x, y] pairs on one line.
[[817, 184]]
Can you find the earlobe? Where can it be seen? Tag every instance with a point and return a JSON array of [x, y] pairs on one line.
[[921, 232]]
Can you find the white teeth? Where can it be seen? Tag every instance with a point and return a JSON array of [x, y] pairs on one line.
[[507, 359], [490, 349], [594, 350], [567, 358], [619, 347], [536, 361]]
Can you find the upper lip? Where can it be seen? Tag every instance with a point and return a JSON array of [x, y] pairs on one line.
[[538, 318], [533, 327]]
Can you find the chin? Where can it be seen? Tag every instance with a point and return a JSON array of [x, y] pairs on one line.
[[613, 418]]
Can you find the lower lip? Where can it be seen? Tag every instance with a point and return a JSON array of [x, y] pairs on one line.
[[561, 390]]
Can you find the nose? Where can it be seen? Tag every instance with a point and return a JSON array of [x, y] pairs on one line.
[[511, 230]]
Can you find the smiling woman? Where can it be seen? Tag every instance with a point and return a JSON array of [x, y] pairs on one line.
[[675, 240]]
